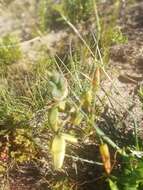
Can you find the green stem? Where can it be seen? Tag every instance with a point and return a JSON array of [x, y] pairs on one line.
[[136, 134], [102, 135]]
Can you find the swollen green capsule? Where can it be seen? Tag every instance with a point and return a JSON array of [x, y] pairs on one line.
[[53, 118], [58, 151]]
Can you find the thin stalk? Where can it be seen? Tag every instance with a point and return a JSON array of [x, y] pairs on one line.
[[83, 160], [136, 135], [102, 135], [78, 34]]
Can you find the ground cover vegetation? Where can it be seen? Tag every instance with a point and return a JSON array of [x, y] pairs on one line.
[[58, 116]]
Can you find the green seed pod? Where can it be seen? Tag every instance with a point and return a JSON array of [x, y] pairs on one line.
[[53, 118], [58, 151]]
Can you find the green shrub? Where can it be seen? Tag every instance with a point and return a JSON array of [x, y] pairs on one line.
[[48, 16], [77, 10], [9, 50]]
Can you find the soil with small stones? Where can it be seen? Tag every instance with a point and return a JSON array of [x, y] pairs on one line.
[[127, 60], [126, 73]]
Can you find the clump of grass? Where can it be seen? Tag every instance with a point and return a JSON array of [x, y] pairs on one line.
[[48, 16], [16, 135], [77, 11], [42, 15], [10, 51]]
